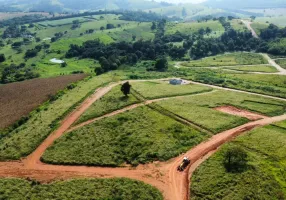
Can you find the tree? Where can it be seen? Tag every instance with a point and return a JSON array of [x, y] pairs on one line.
[[110, 26], [154, 26], [125, 88], [2, 58], [235, 159], [64, 64], [161, 64], [253, 17], [184, 12], [208, 30]]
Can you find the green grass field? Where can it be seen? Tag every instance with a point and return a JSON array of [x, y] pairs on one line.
[[266, 69], [228, 60], [138, 136], [160, 89], [78, 189], [115, 99], [191, 27], [278, 20], [258, 27], [273, 85], [264, 177], [112, 101], [282, 63], [47, 69], [199, 109], [237, 24]]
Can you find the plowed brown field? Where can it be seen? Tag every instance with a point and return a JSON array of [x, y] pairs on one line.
[[19, 99]]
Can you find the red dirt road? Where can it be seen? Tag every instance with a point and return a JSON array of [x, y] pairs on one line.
[[164, 175]]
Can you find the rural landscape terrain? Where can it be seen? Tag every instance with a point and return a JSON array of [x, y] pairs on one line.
[[147, 100]]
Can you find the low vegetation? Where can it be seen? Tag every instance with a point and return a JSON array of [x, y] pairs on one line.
[[115, 99], [112, 101], [261, 68], [138, 136], [199, 109], [265, 148], [160, 89], [19, 99], [228, 60], [269, 84], [97, 189]]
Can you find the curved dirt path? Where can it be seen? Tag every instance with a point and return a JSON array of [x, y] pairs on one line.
[[248, 25], [164, 175]]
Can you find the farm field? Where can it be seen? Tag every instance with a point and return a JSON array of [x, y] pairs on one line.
[[24, 139], [200, 109], [138, 136], [265, 148], [228, 60], [20, 189], [266, 69], [191, 27], [19, 99]]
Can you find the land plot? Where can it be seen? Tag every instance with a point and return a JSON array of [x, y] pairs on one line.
[[264, 171], [138, 136]]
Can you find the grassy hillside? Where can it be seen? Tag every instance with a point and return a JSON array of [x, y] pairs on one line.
[[191, 27], [47, 29]]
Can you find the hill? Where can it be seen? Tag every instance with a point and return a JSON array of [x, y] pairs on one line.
[[73, 5], [237, 4]]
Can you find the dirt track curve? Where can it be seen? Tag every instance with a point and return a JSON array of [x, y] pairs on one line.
[[164, 175]]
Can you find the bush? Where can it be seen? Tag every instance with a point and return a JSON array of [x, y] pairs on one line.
[[235, 159]]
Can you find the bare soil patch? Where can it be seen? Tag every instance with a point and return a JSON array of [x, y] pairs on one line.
[[19, 99], [241, 113]]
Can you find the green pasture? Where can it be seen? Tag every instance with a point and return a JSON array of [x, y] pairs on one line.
[[191, 27], [230, 59], [277, 20], [161, 89]]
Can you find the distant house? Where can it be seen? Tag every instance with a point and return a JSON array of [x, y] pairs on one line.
[[176, 82]]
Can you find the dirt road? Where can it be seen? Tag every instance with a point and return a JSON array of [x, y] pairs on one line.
[[164, 175], [248, 25], [274, 64]]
